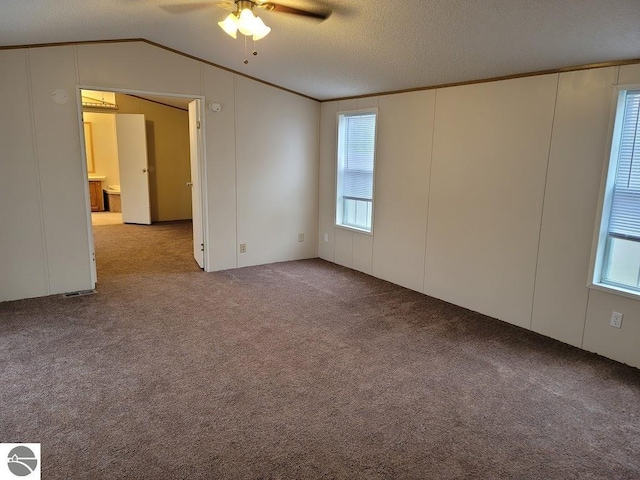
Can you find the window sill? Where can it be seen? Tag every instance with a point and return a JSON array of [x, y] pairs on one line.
[[355, 229], [624, 292]]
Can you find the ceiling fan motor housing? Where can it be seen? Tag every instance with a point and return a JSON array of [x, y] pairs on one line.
[[244, 4]]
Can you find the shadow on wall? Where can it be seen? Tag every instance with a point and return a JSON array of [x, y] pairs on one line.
[[152, 161]]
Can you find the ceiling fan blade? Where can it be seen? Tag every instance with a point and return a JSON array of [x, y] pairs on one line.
[[227, 5], [185, 7], [274, 7]]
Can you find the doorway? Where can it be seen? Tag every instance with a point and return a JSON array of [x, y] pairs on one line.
[[146, 184]]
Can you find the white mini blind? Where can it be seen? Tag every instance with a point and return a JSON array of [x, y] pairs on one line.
[[359, 145], [624, 221]]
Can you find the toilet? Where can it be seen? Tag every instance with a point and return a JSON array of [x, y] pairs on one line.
[[112, 192]]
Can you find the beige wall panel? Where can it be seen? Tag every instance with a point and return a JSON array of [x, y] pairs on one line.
[[621, 344], [347, 105], [491, 145], [629, 75], [23, 270], [61, 169], [277, 167], [327, 183], [578, 149], [368, 102], [343, 254], [219, 86], [363, 252], [403, 160], [137, 66]]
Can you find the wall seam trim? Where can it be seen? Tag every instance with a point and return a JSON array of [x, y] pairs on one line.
[[426, 226], [76, 64], [37, 165], [544, 198], [235, 161], [319, 159], [584, 323]]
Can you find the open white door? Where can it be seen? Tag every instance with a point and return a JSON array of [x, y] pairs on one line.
[[131, 136], [195, 144]]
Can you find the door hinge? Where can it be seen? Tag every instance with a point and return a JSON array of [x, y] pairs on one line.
[[202, 247]]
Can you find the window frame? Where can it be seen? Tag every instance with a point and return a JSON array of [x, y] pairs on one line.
[[609, 170], [337, 189]]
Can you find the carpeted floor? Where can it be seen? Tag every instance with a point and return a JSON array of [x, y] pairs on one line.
[[296, 370]]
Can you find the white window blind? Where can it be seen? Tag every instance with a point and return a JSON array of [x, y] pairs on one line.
[[624, 220], [358, 156]]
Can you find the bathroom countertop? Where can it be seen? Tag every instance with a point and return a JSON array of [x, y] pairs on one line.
[[97, 178]]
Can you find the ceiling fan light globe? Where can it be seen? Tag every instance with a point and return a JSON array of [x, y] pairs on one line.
[[230, 25], [247, 22], [261, 30]]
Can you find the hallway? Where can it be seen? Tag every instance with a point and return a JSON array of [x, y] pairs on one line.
[[163, 247]]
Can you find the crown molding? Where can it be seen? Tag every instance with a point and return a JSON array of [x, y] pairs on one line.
[[616, 63]]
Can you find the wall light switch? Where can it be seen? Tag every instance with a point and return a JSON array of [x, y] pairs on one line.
[[326, 237]]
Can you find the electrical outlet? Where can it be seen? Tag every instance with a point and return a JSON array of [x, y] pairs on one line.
[[243, 248], [326, 237], [616, 319], [301, 237]]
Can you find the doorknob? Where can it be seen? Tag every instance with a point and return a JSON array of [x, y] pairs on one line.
[[189, 184]]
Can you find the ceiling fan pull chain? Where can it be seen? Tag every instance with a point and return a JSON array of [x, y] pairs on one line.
[[246, 60], [255, 52]]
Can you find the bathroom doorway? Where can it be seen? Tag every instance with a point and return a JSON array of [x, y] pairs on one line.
[[173, 166]]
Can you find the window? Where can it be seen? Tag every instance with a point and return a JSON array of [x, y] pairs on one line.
[[618, 256], [356, 157]]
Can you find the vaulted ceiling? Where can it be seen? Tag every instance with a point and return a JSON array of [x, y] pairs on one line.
[[364, 47]]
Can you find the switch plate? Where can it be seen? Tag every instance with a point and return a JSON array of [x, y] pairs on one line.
[[301, 237], [616, 319], [243, 248], [326, 237]]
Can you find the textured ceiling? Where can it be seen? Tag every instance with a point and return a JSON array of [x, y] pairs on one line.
[[364, 47]]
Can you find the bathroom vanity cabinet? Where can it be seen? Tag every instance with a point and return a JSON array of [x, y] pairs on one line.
[[95, 192]]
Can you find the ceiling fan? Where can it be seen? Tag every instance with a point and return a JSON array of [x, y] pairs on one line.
[[317, 14], [239, 5], [242, 18]]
